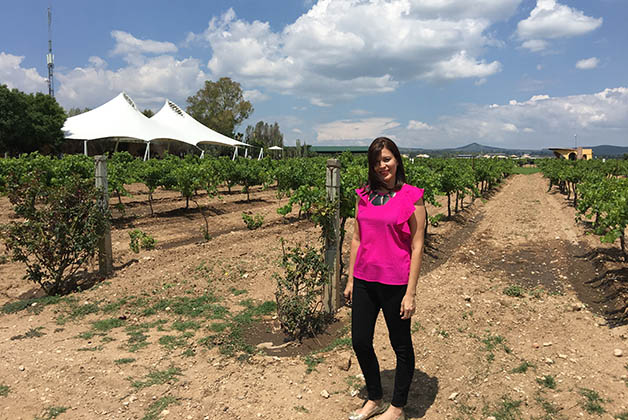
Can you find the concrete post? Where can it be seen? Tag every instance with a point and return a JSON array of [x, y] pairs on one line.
[[331, 292], [105, 254]]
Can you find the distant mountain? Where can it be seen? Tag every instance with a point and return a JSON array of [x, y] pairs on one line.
[[608, 150], [480, 149]]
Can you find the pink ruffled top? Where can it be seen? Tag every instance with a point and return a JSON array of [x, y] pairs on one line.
[[385, 237]]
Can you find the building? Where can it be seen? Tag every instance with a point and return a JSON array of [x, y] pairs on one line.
[[572, 154]]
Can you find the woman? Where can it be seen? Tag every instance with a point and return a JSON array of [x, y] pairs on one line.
[[386, 252]]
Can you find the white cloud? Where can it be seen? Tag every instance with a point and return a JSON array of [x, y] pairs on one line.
[[368, 128], [418, 125], [360, 112], [340, 49], [297, 131], [148, 83], [587, 63], [551, 20], [539, 67], [319, 102], [15, 76], [97, 62], [535, 45], [127, 44], [601, 118], [539, 98], [255, 95]]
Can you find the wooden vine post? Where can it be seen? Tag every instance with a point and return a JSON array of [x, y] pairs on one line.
[[331, 292], [105, 255]]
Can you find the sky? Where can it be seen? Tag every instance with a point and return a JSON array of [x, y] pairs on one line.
[[525, 74]]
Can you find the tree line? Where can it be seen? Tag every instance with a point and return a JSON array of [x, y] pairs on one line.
[[33, 122]]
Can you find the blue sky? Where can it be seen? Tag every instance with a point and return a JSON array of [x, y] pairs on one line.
[[427, 73]]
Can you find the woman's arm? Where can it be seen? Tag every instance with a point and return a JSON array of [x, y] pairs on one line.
[[355, 244], [416, 222]]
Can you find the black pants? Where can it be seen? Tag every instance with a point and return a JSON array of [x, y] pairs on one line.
[[368, 298]]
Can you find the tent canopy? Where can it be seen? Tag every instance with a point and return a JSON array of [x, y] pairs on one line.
[[120, 119], [172, 116]]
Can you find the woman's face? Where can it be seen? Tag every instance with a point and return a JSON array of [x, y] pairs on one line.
[[386, 167]]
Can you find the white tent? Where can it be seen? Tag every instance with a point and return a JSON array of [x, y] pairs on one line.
[[121, 120], [172, 116]]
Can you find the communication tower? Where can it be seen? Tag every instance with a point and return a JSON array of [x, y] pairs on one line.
[[50, 57]]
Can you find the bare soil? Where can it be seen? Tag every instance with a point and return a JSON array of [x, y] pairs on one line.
[[519, 316]]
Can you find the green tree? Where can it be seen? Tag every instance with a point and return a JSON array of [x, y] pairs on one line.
[[73, 112], [29, 122], [148, 112], [264, 135], [220, 106]]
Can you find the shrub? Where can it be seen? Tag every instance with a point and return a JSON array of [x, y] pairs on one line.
[[299, 290], [60, 228], [140, 240], [253, 222]]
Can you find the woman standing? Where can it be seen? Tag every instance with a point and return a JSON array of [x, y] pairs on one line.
[[386, 252]]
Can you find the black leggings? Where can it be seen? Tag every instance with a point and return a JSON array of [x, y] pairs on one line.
[[368, 298]]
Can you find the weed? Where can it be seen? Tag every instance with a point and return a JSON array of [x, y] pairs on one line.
[[4, 390], [443, 333], [466, 314], [32, 333], [189, 353], [190, 307], [593, 401], [218, 326], [95, 348], [107, 324], [115, 306], [301, 409], [252, 222], [311, 362], [35, 305], [523, 367], [514, 291], [156, 407], [185, 325], [158, 377], [507, 409], [3, 259], [436, 219], [547, 381], [171, 342], [354, 381], [124, 361], [622, 416], [237, 292], [416, 326], [550, 409], [338, 343], [52, 412], [140, 240]]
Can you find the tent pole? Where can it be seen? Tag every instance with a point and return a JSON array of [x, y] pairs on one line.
[[115, 149], [147, 152], [246, 152], [261, 154], [85, 147], [202, 154], [235, 153]]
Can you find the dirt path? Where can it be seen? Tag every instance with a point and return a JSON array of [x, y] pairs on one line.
[[472, 340]]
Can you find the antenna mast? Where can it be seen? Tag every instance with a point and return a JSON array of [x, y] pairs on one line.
[[50, 57]]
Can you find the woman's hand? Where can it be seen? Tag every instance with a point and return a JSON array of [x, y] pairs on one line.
[[407, 307], [348, 293]]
